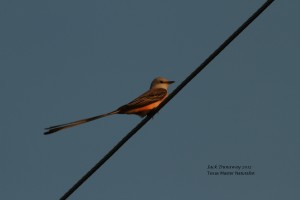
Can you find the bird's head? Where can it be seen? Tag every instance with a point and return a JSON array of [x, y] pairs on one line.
[[161, 82]]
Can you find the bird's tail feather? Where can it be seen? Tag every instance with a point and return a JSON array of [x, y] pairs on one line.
[[56, 128]]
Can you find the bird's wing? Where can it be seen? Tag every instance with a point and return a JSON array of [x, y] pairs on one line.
[[149, 97]]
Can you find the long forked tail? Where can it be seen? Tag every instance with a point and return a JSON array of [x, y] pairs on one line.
[[56, 128]]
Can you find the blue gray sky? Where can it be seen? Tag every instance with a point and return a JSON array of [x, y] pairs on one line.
[[66, 60]]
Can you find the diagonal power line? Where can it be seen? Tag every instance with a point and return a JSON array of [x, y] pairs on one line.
[[179, 87]]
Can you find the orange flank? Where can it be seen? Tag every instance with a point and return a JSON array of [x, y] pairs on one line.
[[142, 111]]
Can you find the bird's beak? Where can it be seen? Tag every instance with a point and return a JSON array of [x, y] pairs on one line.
[[170, 82]]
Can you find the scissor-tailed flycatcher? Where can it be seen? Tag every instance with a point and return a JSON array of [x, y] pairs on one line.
[[140, 106]]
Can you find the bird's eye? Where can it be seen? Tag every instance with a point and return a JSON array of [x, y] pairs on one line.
[[161, 81]]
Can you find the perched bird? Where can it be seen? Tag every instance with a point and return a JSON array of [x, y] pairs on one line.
[[141, 106]]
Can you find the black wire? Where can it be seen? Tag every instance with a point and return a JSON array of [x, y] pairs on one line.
[[180, 87]]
